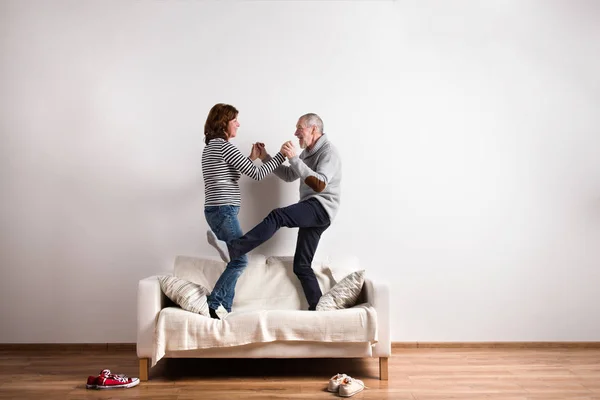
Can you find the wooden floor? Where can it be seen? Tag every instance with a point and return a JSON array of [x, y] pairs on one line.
[[416, 374]]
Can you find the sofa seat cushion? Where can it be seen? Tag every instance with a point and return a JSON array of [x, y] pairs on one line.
[[179, 330]]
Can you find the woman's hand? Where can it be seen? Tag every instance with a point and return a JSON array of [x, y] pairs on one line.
[[254, 152], [263, 151]]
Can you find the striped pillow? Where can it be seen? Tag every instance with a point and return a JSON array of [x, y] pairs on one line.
[[188, 295], [344, 294]]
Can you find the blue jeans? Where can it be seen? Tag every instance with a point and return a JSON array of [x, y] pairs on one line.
[[312, 219], [223, 221]]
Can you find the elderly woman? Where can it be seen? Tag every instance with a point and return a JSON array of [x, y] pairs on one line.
[[222, 166]]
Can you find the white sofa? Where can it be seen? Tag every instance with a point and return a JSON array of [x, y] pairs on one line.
[[269, 317]]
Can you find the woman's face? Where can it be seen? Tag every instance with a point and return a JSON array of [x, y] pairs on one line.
[[232, 127]]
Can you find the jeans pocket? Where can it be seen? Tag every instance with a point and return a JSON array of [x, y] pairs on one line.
[[223, 221]]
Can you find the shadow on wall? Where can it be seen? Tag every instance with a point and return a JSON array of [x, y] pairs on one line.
[[259, 199]]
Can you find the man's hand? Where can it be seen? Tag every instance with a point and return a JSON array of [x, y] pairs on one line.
[[288, 149]]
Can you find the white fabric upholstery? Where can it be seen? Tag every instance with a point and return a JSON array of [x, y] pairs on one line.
[[264, 280], [203, 271], [179, 330], [377, 295], [266, 284], [281, 349], [150, 301]]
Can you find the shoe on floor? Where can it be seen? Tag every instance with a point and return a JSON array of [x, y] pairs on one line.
[[350, 386], [108, 380], [334, 382]]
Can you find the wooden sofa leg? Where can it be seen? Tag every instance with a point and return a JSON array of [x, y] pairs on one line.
[[144, 369], [383, 368]]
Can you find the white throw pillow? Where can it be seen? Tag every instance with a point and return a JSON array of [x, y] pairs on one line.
[[344, 294], [188, 295]]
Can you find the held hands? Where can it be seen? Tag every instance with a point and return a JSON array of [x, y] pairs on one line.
[[288, 149], [254, 152], [258, 151]]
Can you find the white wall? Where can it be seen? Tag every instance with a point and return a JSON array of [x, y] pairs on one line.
[[469, 133]]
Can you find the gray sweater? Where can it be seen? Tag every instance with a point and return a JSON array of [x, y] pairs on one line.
[[320, 173]]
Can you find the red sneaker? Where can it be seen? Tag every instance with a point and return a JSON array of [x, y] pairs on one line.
[[107, 380]]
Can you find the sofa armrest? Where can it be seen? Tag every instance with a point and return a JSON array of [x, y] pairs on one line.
[[377, 294], [150, 301]]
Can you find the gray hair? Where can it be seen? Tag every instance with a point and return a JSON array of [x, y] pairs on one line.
[[313, 119]]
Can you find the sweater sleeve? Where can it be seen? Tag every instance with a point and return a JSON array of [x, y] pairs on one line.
[[284, 172], [236, 159], [319, 178]]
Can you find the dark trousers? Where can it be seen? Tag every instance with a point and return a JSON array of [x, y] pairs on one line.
[[312, 220]]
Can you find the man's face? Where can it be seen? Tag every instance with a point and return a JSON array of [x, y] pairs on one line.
[[305, 134]]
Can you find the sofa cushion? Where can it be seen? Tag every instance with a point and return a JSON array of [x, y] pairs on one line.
[[188, 295], [203, 271], [344, 294], [266, 284], [180, 330]]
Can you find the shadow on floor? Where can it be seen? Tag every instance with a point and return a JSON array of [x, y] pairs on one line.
[[183, 368]]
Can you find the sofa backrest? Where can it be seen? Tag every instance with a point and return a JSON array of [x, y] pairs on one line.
[[266, 284]]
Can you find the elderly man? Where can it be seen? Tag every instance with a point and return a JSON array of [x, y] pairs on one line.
[[319, 169]]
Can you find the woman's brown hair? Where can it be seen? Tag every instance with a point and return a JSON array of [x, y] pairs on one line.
[[217, 120]]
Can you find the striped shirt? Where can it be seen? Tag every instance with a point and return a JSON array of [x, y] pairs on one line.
[[223, 165]]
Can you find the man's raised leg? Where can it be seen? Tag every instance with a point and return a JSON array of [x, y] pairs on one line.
[[300, 215]]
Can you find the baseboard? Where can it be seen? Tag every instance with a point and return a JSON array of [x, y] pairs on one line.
[[495, 345], [112, 347], [116, 347]]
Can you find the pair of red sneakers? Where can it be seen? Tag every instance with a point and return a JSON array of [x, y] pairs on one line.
[[108, 380]]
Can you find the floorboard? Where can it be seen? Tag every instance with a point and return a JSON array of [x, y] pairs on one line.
[[414, 374]]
